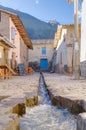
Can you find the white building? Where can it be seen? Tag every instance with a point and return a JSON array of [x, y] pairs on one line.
[[83, 39], [64, 48]]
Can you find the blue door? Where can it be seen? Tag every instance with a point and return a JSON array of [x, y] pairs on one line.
[[43, 63]]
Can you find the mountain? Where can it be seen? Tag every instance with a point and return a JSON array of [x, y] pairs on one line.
[[35, 28]]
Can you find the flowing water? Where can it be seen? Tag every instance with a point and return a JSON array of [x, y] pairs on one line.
[[45, 116]]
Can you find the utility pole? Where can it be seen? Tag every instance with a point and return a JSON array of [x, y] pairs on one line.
[[76, 42]]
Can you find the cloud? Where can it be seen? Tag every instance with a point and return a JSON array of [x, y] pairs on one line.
[[37, 1]]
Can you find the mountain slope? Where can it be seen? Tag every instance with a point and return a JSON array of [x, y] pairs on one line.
[[35, 28]]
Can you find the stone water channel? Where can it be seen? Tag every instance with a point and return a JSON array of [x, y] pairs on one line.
[[45, 116]]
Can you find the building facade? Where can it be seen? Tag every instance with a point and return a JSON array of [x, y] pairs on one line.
[[64, 48], [42, 53], [5, 46], [12, 28], [83, 39]]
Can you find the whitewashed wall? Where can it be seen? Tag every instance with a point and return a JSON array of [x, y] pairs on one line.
[[83, 39], [64, 56], [61, 52], [83, 32], [62, 48]]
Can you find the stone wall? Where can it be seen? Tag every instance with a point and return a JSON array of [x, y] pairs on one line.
[[36, 54]]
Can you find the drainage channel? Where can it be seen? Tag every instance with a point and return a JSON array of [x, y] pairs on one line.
[[45, 116]]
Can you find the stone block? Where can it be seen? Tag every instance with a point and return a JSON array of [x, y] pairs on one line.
[[69, 102], [83, 104], [36, 100], [31, 99], [30, 102], [21, 109], [81, 123]]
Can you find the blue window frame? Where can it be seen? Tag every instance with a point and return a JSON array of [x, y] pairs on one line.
[[43, 50]]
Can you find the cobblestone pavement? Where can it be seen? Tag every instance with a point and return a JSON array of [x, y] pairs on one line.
[[17, 90], [15, 95], [19, 85], [66, 86]]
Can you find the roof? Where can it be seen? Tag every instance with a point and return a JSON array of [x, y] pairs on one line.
[[20, 27], [59, 31], [5, 41], [42, 41]]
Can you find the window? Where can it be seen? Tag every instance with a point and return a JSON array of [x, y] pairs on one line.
[[43, 50], [12, 33]]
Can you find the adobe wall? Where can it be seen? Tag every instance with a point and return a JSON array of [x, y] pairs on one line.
[[4, 25], [23, 53], [35, 55]]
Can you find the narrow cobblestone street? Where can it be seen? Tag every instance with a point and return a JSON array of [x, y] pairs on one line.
[[19, 85], [43, 65], [22, 91]]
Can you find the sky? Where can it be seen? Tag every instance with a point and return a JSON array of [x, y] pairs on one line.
[[45, 10]]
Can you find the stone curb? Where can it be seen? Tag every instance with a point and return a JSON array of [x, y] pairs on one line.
[[73, 104]]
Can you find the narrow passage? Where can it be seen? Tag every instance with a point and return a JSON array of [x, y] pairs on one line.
[[45, 116]]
